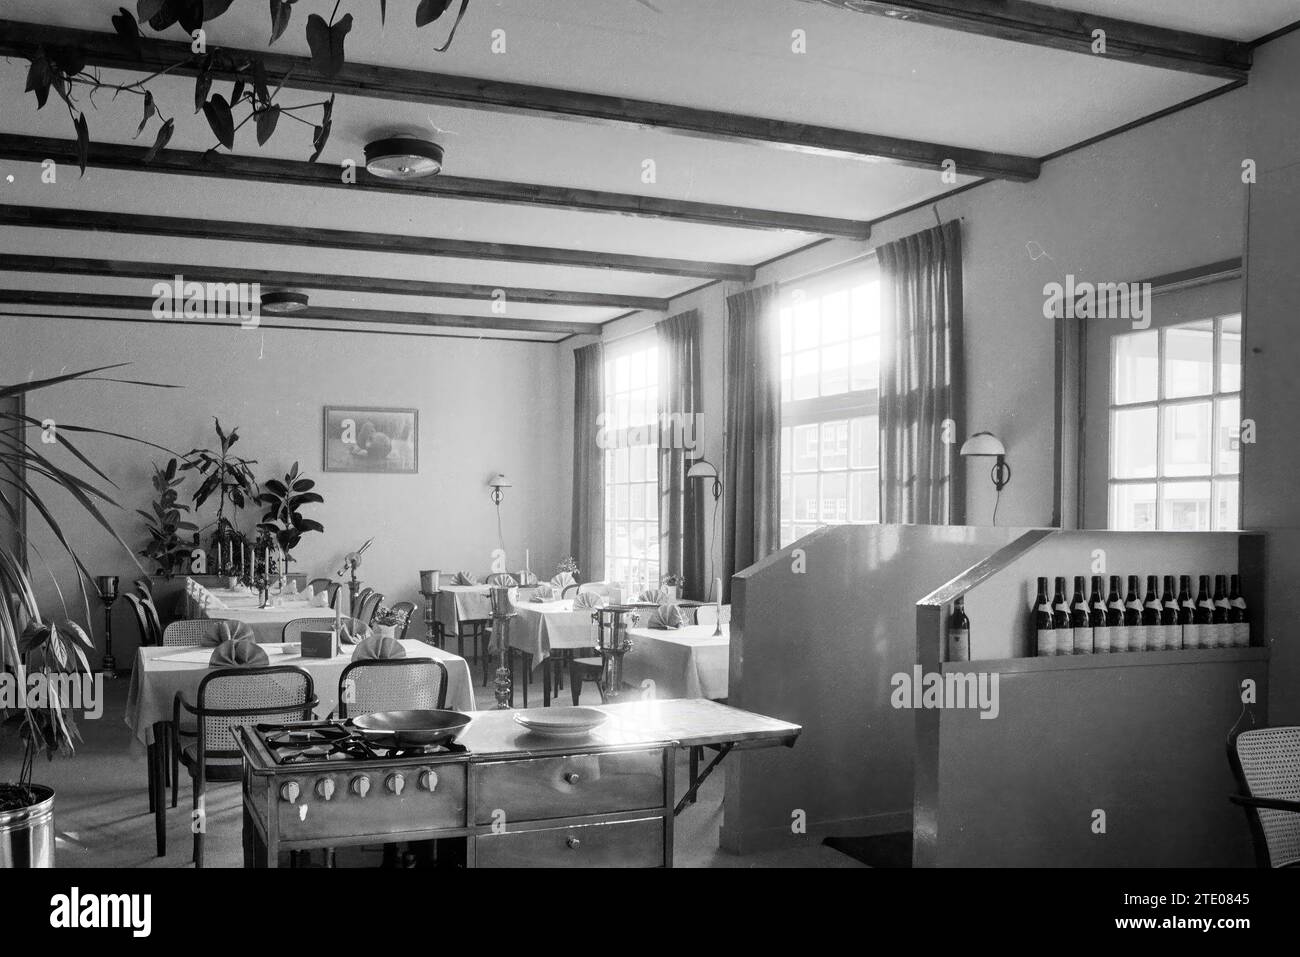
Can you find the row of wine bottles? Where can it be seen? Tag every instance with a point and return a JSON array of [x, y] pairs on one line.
[[1161, 621]]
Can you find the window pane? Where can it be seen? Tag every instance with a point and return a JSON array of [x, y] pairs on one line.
[[787, 368], [835, 445], [787, 534], [652, 502], [638, 540], [1189, 360], [1186, 507], [1187, 439], [864, 442], [807, 324], [1226, 506], [805, 383], [865, 310], [1133, 443], [620, 457], [1230, 355], [636, 372], [636, 498], [835, 317], [787, 500], [864, 363], [805, 498], [1136, 367], [1227, 445], [622, 372], [621, 501], [1133, 508], [805, 448], [835, 370], [787, 331], [864, 496], [787, 450], [636, 462], [835, 497]]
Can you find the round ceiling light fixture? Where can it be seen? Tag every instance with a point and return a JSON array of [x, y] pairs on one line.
[[403, 157], [280, 303]]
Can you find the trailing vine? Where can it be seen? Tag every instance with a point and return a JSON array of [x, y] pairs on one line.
[[63, 69]]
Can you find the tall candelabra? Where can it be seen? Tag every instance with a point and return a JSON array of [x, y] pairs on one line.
[[502, 612], [106, 585]]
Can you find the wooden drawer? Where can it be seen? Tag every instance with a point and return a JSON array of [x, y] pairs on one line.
[[637, 843], [573, 785]]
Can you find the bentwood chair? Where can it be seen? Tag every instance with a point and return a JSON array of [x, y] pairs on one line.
[[318, 584], [149, 635], [405, 611], [360, 600], [392, 684], [226, 698], [293, 629], [193, 631], [1266, 763], [366, 614], [334, 593]]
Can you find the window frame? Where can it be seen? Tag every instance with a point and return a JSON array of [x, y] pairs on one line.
[[641, 344], [1215, 397]]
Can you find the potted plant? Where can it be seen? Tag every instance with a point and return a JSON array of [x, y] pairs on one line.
[[388, 621], [36, 652], [227, 476], [166, 522], [672, 583], [283, 499]]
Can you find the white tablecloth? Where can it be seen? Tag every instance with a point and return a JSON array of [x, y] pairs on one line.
[[160, 672], [241, 605], [682, 662], [540, 627]]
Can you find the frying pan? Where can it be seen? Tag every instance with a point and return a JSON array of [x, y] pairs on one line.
[[411, 729]]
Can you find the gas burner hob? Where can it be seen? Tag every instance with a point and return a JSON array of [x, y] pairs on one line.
[[309, 742]]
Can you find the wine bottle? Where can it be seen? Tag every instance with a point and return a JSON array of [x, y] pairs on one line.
[[1079, 626], [1041, 632], [1203, 615], [1096, 604], [1239, 616], [1061, 619], [1219, 618], [1151, 609], [1186, 611], [959, 632], [1115, 637], [1132, 617], [1172, 638]]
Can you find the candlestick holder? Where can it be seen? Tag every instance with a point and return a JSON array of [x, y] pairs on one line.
[[612, 623], [106, 585], [502, 611]]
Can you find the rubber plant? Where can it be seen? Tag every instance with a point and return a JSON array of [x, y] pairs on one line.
[[36, 650], [167, 520], [284, 499], [225, 475], [64, 68]]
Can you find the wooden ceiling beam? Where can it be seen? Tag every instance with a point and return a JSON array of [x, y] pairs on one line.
[[282, 279], [247, 168], [441, 89], [49, 217], [89, 300], [1062, 29]]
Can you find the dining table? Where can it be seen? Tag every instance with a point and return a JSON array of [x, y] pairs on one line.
[[687, 662], [163, 670], [242, 605], [538, 629]]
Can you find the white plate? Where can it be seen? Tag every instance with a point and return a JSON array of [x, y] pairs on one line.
[[562, 722]]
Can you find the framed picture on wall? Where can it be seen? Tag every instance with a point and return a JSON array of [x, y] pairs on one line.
[[359, 439]]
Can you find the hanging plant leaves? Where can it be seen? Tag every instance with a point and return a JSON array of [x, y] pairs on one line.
[[203, 83], [430, 10], [280, 11], [323, 131], [162, 139], [266, 121], [237, 93], [147, 9], [215, 8], [128, 31], [326, 42], [83, 142], [217, 111], [189, 13], [260, 92], [149, 111], [39, 77], [68, 60]]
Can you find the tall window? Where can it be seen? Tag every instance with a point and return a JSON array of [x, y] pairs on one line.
[[830, 401], [632, 462], [1175, 426]]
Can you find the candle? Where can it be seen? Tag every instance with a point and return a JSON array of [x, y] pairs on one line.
[[717, 590], [527, 566]]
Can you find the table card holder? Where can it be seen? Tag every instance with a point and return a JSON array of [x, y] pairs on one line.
[[612, 623], [320, 644]]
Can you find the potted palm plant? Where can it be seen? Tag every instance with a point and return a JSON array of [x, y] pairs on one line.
[[225, 475], [42, 661], [167, 521]]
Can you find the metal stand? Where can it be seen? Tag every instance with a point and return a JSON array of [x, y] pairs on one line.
[[431, 618], [612, 623], [502, 612], [107, 587]]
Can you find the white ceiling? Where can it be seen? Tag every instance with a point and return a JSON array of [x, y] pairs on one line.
[[862, 73]]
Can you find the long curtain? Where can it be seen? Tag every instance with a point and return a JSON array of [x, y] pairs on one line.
[[922, 389], [752, 485], [587, 538], [681, 500]]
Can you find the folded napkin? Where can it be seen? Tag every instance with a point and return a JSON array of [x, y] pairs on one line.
[[590, 599], [543, 593], [238, 654], [659, 596], [224, 633], [464, 578], [321, 599], [380, 647], [666, 616], [527, 578], [503, 578], [563, 580], [352, 632]]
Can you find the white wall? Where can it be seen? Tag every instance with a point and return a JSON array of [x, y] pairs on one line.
[[485, 406]]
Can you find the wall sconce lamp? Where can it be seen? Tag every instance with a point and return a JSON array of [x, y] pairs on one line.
[[705, 469], [986, 444], [498, 483]]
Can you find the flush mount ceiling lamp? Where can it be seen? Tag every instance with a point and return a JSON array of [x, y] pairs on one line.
[[280, 303], [403, 157]]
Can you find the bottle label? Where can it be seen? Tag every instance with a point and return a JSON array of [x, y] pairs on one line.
[[1102, 639], [1192, 636], [1240, 634], [1188, 603], [1117, 605], [1099, 606], [1171, 605], [1238, 603], [1205, 604], [959, 644], [1119, 638], [1080, 606], [1154, 604], [1082, 641], [1046, 609], [1046, 642], [1063, 607], [1135, 605], [1156, 637], [1222, 603], [1138, 638]]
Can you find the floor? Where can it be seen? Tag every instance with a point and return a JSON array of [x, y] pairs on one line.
[[103, 819]]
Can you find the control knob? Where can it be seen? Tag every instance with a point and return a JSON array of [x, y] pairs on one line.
[[395, 783], [289, 791], [361, 785], [428, 781], [325, 788]]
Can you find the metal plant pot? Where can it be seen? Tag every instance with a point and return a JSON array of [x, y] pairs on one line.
[[27, 834]]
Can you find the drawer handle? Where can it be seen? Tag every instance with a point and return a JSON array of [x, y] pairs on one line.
[[573, 777], [573, 842]]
